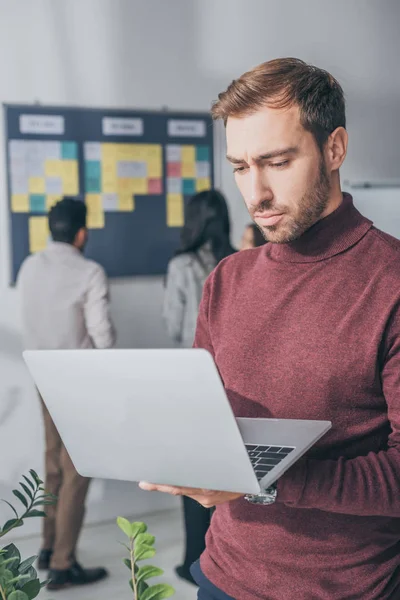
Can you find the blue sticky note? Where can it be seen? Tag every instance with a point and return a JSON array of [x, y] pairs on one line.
[[202, 153], [69, 151], [37, 203], [92, 185], [92, 169], [189, 186]]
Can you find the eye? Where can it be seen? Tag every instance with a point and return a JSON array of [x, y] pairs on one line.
[[280, 165], [239, 169]]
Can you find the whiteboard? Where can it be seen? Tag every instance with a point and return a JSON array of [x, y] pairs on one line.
[[381, 206]]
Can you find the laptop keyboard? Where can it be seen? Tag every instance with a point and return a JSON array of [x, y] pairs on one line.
[[265, 458]]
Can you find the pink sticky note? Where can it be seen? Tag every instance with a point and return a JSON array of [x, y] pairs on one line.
[[155, 186], [174, 169]]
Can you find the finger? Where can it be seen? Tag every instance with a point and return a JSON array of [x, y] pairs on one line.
[[165, 489]]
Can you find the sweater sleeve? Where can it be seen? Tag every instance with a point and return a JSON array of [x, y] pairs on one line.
[[365, 485], [203, 338]]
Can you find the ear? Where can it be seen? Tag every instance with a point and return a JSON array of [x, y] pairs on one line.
[[81, 238], [336, 148]]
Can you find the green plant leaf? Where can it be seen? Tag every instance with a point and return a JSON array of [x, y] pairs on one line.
[[21, 497], [43, 583], [31, 589], [5, 577], [145, 538], [26, 564], [29, 482], [138, 527], [35, 513], [18, 595], [11, 506], [158, 592], [18, 579], [141, 588], [125, 526], [36, 478], [127, 563], [10, 525], [147, 572], [26, 490], [11, 551], [143, 552], [30, 574]]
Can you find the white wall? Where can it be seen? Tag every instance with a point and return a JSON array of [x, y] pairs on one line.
[[180, 54]]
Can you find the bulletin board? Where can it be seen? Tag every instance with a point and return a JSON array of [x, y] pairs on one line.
[[135, 170]]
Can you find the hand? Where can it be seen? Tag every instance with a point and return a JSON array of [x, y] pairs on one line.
[[206, 498]]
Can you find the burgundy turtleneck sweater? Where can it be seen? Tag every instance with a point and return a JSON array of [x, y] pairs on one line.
[[311, 330]]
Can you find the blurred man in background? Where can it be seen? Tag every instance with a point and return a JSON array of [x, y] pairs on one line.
[[65, 305]]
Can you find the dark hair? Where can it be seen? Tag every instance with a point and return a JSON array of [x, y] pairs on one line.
[[258, 238], [282, 83], [66, 218], [207, 220]]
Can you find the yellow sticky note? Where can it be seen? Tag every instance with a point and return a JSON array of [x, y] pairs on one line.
[[51, 200], [20, 203], [154, 168], [70, 177], [109, 176], [95, 212], [203, 184], [188, 170], [188, 154], [109, 151], [37, 185], [128, 152], [53, 168], [151, 152], [175, 210], [133, 185], [38, 233], [126, 202]]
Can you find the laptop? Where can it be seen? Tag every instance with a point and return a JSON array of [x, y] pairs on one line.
[[162, 416]]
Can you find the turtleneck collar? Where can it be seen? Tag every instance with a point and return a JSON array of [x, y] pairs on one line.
[[332, 235]]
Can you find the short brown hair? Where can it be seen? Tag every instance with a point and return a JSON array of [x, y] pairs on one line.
[[282, 83]]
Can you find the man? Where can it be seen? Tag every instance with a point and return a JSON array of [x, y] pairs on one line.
[[65, 305], [305, 327]]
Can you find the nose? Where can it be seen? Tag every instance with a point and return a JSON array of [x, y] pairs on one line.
[[260, 191]]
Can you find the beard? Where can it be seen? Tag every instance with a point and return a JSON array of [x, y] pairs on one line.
[[309, 210]]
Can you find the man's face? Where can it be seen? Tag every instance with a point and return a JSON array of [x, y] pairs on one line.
[[280, 172]]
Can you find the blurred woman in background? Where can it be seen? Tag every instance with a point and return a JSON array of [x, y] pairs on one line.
[[252, 237], [205, 241]]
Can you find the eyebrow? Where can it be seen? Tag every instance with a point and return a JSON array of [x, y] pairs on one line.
[[267, 156]]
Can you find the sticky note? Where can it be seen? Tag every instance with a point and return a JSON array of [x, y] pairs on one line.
[[188, 170], [174, 170], [53, 168], [109, 151], [188, 154], [54, 186], [51, 200], [92, 151], [174, 153], [109, 176], [92, 168], [38, 233], [69, 150], [155, 186], [153, 152], [132, 185], [174, 185], [175, 210], [203, 170], [20, 203], [128, 152], [203, 184], [131, 168], [95, 212], [126, 202], [36, 185], [37, 203], [189, 187], [202, 153], [154, 168], [110, 202]]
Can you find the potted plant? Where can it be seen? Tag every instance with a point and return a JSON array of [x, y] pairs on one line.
[[18, 578], [141, 547]]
